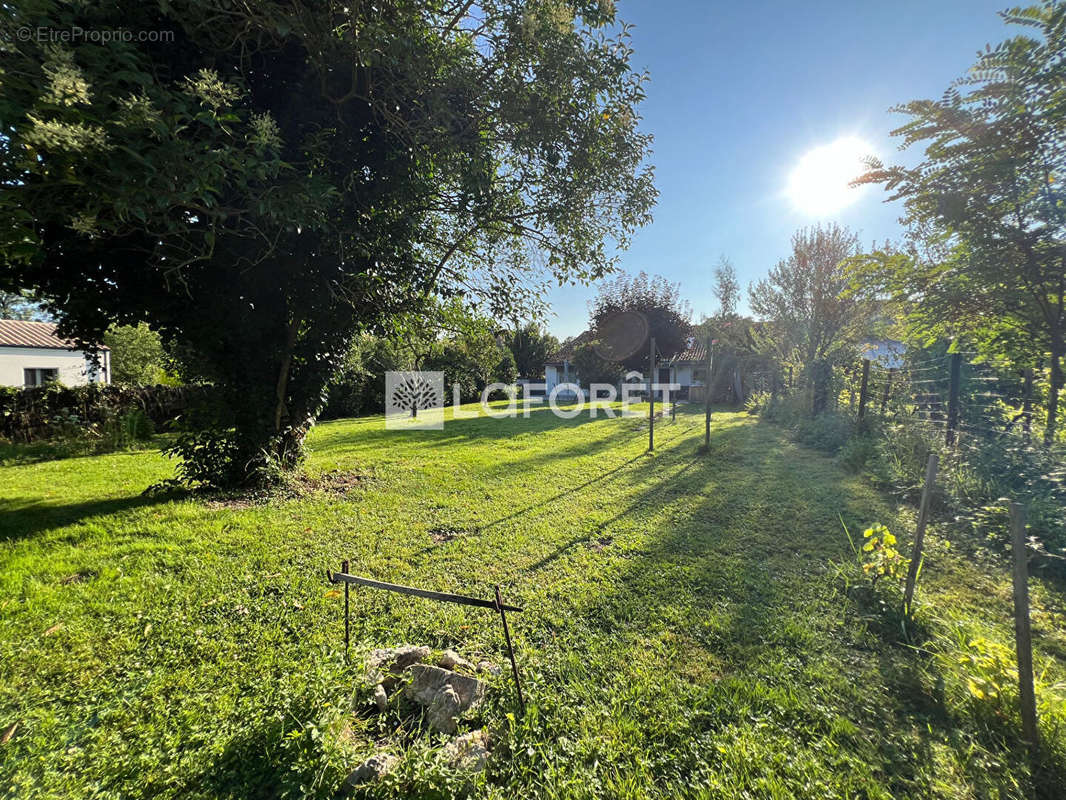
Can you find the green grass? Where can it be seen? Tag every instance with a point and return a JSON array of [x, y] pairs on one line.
[[683, 634]]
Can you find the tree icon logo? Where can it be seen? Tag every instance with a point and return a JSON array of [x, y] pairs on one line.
[[414, 400]]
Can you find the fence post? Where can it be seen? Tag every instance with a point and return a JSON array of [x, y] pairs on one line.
[[953, 398], [888, 388], [1023, 636], [919, 533], [707, 394], [864, 388], [651, 394]]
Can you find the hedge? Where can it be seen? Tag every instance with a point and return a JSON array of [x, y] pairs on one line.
[[42, 412]]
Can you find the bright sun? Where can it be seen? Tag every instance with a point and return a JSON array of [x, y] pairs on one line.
[[819, 183]]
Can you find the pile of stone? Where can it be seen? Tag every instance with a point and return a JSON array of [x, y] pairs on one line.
[[446, 691]]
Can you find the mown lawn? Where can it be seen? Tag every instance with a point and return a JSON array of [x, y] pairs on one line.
[[683, 635]]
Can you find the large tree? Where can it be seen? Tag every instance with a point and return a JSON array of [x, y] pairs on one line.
[[260, 182], [986, 206], [809, 315], [531, 346], [631, 308], [726, 289]]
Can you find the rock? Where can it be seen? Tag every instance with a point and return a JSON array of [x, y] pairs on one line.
[[489, 667], [451, 660], [443, 713], [396, 659], [469, 752], [373, 769], [392, 661], [427, 682], [457, 693], [381, 698]]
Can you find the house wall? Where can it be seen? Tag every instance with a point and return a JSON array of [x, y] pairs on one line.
[[554, 375], [74, 368]]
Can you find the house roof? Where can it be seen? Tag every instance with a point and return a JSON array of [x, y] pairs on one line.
[[696, 351], [20, 333], [886, 352], [566, 350]]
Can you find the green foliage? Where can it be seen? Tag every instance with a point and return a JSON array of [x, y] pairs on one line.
[[281, 177], [92, 418], [591, 367], [531, 347], [137, 355], [21, 305], [758, 402], [879, 556], [809, 318], [985, 205]]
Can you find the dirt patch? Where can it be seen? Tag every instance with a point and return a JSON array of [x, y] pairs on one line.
[[78, 577], [338, 483], [444, 534], [599, 544]]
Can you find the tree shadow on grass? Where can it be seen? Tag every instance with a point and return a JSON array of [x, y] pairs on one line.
[[24, 517]]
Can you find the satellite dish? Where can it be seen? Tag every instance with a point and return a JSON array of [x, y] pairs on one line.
[[620, 336]]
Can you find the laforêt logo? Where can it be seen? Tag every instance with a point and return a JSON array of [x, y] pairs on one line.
[[414, 400]]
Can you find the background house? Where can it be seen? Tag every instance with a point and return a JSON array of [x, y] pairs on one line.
[[31, 355]]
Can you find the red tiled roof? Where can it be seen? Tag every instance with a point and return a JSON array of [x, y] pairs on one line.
[[697, 351], [19, 333]]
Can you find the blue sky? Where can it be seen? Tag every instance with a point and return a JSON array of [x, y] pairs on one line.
[[740, 91]]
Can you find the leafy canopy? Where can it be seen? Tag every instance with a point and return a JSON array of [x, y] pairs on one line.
[[280, 176]]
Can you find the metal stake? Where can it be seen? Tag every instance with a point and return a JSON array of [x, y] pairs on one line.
[[510, 650], [347, 618]]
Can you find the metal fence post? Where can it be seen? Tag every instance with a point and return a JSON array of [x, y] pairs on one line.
[[953, 398], [1023, 636], [651, 394]]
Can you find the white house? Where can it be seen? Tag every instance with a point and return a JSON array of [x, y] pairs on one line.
[[31, 355], [687, 369]]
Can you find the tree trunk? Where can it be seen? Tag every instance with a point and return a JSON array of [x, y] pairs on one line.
[[821, 377], [280, 410], [1053, 390]]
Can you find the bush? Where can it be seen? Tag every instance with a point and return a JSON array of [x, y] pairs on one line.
[[828, 431], [858, 451], [106, 415]]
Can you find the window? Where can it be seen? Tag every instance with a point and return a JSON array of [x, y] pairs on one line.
[[39, 376]]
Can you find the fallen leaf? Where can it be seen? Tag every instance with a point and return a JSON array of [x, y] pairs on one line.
[[53, 629], [297, 606], [333, 593], [8, 733]]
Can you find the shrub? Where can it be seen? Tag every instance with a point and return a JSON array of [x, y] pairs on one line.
[[828, 431]]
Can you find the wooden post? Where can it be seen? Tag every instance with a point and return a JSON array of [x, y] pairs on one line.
[[651, 394], [888, 389], [1023, 636], [864, 388], [953, 398], [919, 533], [707, 394]]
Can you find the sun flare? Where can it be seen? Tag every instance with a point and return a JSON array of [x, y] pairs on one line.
[[819, 184]]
